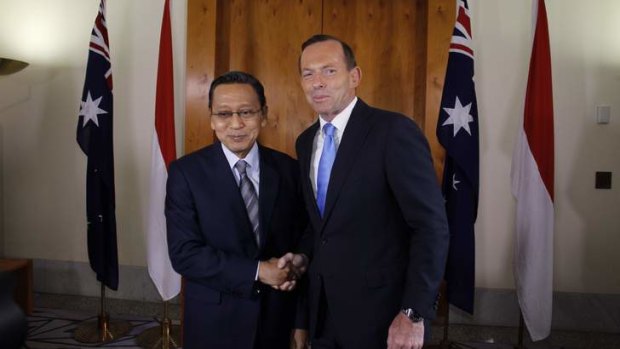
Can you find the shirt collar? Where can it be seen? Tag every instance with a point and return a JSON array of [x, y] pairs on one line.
[[340, 121], [252, 158]]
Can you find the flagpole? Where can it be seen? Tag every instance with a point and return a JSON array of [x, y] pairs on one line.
[[164, 336], [103, 330]]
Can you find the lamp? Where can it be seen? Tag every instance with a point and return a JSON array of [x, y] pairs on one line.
[[10, 66]]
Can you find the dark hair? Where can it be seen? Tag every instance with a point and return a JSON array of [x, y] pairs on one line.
[[239, 77], [349, 57]]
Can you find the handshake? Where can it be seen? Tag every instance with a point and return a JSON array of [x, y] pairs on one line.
[[282, 273]]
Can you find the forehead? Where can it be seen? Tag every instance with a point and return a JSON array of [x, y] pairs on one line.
[[235, 94], [322, 53]]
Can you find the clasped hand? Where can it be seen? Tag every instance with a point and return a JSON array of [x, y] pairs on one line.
[[282, 273]]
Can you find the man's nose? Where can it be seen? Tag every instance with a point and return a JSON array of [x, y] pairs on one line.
[[318, 81], [236, 121]]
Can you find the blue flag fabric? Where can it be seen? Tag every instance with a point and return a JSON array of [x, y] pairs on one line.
[[94, 135], [457, 131]]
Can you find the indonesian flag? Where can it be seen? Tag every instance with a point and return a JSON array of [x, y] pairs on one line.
[[532, 186], [167, 281]]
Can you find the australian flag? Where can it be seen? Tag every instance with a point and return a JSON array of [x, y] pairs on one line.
[[457, 131], [94, 135]]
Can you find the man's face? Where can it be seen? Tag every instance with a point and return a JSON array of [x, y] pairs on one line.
[[328, 84], [238, 133]]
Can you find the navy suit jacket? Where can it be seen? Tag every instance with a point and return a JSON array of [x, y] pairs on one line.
[[383, 241], [211, 245]]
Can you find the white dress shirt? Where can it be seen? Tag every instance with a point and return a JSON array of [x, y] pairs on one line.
[[340, 123]]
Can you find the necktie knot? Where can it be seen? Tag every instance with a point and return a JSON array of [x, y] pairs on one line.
[[241, 166], [329, 129]]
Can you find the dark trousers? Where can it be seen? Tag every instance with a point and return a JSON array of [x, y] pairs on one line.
[[326, 334]]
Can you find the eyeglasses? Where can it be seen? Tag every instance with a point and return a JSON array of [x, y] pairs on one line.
[[244, 114]]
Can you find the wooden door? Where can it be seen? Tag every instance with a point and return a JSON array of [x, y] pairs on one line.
[[400, 45]]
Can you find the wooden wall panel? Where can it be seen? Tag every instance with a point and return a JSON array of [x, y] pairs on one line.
[[383, 36], [441, 17], [265, 41], [201, 15], [401, 46]]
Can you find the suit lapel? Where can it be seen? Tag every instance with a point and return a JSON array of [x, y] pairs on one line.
[[269, 186], [348, 151]]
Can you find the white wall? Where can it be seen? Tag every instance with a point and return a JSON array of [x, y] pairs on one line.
[[585, 52], [43, 169]]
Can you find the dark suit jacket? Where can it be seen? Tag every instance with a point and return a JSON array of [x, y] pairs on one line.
[[211, 245], [383, 241]]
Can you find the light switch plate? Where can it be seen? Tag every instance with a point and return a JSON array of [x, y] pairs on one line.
[[603, 114]]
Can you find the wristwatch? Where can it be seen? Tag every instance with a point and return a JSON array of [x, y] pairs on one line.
[[413, 315]]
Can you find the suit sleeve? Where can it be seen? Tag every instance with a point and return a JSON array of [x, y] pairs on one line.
[[412, 179], [190, 255]]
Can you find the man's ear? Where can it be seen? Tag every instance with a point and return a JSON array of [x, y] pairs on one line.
[[355, 76], [264, 113]]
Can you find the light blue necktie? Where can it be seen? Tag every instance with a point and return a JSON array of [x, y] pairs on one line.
[[325, 165]]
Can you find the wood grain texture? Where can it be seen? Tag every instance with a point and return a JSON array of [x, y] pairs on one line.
[[383, 36], [441, 18], [265, 41], [401, 46], [200, 70]]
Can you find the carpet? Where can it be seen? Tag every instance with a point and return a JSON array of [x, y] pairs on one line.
[[55, 328]]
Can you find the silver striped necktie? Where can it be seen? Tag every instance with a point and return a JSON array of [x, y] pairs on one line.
[[248, 193]]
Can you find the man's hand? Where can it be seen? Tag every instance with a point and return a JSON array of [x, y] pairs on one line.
[[298, 264], [299, 339], [271, 274], [405, 334]]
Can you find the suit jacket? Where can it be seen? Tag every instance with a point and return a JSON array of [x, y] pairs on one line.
[[212, 246], [382, 243]]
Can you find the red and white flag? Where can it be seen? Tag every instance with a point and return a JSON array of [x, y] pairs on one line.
[[167, 281], [532, 185]]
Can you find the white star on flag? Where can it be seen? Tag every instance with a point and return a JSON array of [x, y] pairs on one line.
[[455, 182], [90, 109], [459, 117]]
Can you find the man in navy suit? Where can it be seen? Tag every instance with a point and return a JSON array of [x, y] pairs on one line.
[[379, 235], [225, 246]]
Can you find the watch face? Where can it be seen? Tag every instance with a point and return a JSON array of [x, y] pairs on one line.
[[412, 315]]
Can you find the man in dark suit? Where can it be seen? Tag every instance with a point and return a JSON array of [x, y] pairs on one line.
[[379, 235], [231, 209]]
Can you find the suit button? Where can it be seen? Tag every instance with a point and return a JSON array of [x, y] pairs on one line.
[[323, 242]]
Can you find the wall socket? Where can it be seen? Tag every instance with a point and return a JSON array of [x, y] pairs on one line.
[[603, 180]]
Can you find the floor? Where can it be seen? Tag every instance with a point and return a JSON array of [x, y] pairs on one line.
[[57, 319]]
